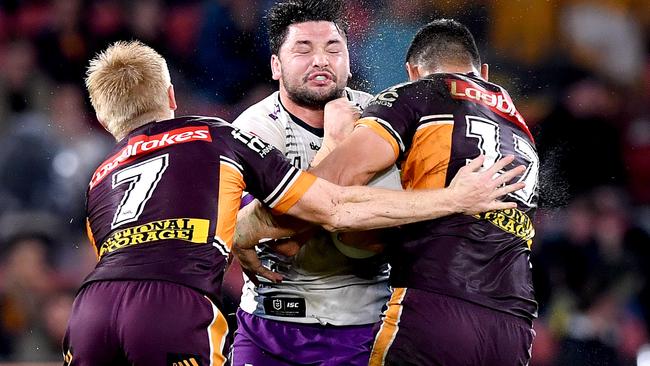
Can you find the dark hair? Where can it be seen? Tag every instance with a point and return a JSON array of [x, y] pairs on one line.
[[443, 40], [286, 13]]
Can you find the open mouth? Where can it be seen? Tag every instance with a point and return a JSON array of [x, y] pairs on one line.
[[320, 77]]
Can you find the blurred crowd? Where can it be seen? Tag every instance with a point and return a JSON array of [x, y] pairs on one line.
[[579, 72]]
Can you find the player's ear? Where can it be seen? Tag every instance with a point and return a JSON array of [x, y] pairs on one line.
[[172, 98], [485, 71], [413, 71], [276, 67]]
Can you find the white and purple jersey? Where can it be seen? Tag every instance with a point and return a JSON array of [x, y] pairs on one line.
[[321, 285]]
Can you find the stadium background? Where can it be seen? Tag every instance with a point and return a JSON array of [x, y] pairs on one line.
[[579, 72]]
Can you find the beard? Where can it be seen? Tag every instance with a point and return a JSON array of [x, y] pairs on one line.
[[312, 99]]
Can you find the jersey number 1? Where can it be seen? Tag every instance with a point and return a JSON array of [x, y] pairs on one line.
[[143, 179], [488, 134]]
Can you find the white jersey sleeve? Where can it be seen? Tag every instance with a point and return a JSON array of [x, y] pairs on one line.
[[263, 120]]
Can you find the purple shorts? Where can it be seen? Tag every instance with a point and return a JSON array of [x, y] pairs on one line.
[[264, 342], [144, 323], [427, 329]]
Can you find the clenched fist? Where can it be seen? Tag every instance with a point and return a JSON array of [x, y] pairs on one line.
[[340, 116]]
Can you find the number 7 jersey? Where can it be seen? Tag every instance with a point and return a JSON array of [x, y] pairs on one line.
[[435, 126], [163, 206]]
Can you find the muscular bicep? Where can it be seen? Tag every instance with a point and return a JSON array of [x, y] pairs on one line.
[[362, 155]]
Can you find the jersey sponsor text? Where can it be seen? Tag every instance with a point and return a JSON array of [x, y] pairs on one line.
[[143, 144]]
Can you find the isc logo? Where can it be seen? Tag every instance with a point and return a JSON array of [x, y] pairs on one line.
[[277, 304], [285, 306]]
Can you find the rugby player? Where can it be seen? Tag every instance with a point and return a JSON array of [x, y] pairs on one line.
[[326, 297], [462, 287]]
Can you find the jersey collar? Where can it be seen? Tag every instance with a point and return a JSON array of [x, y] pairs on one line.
[[320, 132]]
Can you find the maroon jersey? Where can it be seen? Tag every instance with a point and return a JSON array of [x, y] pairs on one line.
[[436, 125], [163, 206]]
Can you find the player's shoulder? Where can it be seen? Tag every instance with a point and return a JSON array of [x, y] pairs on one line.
[[268, 109], [189, 123], [400, 94], [203, 120], [436, 86]]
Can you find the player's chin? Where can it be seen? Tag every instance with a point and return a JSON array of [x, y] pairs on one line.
[[322, 91], [326, 93]]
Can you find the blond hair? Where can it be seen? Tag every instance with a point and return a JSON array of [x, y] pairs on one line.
[[128, 85]]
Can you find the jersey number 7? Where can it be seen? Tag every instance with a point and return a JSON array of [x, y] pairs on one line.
[[143, 179]]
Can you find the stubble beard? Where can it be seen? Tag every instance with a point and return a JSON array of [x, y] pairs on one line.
[[308, 98]]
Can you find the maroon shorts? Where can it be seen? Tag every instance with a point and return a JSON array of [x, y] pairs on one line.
[[144, 323], [427, 329]]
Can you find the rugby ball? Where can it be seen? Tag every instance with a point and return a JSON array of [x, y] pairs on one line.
[[350, 251]]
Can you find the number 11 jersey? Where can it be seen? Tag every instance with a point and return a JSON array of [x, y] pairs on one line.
[[435, 126]]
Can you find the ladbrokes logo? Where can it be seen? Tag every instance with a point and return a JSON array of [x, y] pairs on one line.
[[143, 144], [513, 221], [499, 103], [190, 230]]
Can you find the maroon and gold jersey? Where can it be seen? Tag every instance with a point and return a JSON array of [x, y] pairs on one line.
[[436, 125], [163, 206]]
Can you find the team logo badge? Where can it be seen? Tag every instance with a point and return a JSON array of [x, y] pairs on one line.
[[277, 304]]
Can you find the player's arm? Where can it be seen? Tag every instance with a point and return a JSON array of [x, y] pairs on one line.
[[340, 116], [255, 223], [357, 159], [363, 208], [357, 208]]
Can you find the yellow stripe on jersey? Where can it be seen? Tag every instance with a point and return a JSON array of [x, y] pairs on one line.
[[91, 237], [231, 186], [217, 332], [428, 158], [381, 131], [295, 192], [389, 328]]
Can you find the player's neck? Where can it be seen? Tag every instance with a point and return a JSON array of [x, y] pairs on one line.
[[451, 69], [312, 116]]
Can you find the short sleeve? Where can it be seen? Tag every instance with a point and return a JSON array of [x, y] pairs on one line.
[[392, 115], [267, 173], [258, 124]]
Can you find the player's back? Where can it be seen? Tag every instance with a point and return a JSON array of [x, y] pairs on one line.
[[441, 122], [163, 205]]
